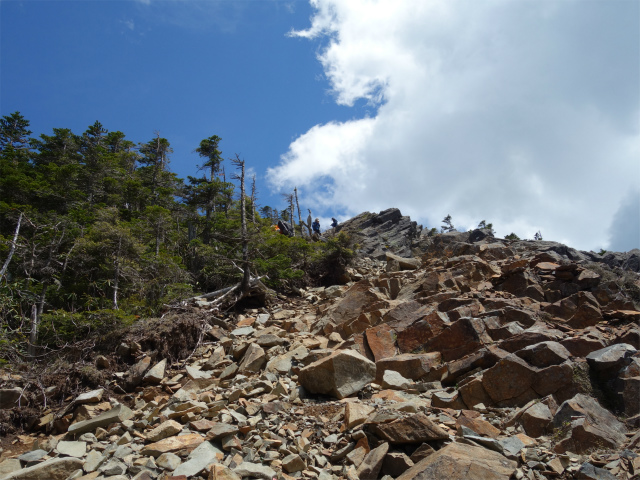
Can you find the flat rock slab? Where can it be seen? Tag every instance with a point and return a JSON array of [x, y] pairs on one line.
[[172, 444], [94, 396], [414, 429], [9, 465], [164, 430], [54, 469], [116, 415], [33, 456], [72, 449], [202, 456], [254, 470], [457, 461], [156, 373]]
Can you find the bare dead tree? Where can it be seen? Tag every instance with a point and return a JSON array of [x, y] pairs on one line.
[[13, 247], [288, 197], [309, 220], [253, 198], [246, 276], [295, 194]]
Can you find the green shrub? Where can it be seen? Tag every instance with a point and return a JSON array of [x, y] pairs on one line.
[[59, 327]]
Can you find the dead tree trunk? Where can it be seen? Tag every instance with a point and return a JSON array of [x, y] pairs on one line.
[[246, 276], [253, 199], [295, 193], [13, 247]]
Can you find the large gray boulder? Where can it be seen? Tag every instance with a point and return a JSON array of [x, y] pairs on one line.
[[341, 374], [379, 233]]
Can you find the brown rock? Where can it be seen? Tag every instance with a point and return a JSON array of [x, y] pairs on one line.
[[582, 346], [164, 430], [372, 463], [544, 354], [414, 429], [411, 366], [254, 359], [536, 419], [54, 469], [509, 380], [551, 379], [416, 334], [341, 374], [220, 430], [589, 426], [473, 393], [461, 338], [461, 462], [173, 444], [396, 463], [356, 413], [478, 425], [382, 341]]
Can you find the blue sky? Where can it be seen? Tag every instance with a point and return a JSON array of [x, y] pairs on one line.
[[525, 114], [187, 69]]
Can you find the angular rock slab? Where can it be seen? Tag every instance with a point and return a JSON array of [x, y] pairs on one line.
[[202, 457], [457, 461], [54, 469], [341, 374], [414, 429], [116, 415], [590, 424], [254, 470], [172, 444]]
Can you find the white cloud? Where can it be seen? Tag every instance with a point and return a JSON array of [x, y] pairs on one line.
[[625, 227], [524, 114], [130, 24]]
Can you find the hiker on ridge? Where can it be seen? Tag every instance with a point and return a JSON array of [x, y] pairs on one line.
[[316, 226], [334, 222]]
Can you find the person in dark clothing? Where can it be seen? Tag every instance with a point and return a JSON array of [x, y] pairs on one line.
[[334, 222], [316, 226]]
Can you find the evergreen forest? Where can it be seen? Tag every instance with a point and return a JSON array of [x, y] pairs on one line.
[[96, 231]]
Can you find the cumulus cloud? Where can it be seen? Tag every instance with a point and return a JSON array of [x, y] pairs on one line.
[[524, 114], [625, 227]]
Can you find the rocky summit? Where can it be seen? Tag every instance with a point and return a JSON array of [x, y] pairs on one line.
[[450, 356]]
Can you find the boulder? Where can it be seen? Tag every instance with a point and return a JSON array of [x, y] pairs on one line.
[[54, 469], [198, 460], [458, 461], [155, 373], [458, 339], [587, 425], [382, 341], [372, 464], [402, 262], [411, 366], [510, 381], [608, 361], [341, 374], [356, 413], [413, 429], [544, 354], [254, 359], [536, 419], [172, 444], [117, 414], [166, 429]]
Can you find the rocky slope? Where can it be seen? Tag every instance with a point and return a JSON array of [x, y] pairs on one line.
[[458, 356]]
